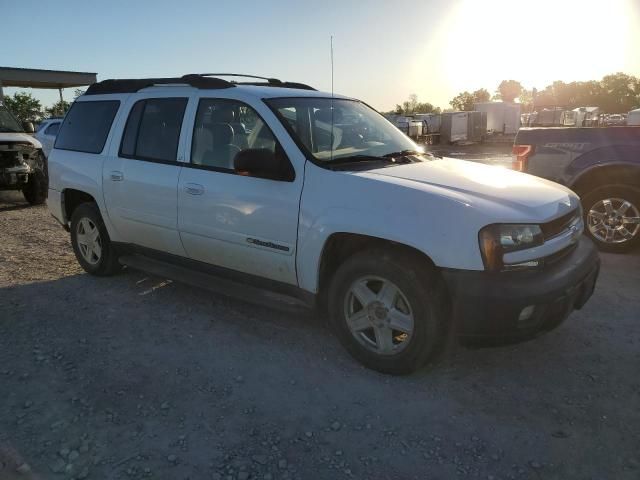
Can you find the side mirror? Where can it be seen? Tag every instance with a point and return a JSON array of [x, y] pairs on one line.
[[27, 127], [263, 163]]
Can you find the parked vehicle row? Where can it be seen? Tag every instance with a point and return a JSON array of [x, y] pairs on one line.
[[277, 186]]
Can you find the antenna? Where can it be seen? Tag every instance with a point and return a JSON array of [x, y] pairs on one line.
[[331, 136], [331, 66]]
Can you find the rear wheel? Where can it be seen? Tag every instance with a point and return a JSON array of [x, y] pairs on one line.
[[91, 243], [388, 310], [612, 217]]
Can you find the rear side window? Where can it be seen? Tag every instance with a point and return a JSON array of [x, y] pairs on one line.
[[86, 126], [153, 129]]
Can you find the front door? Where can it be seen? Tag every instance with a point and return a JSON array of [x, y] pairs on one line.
[[231, 220], [140, 176]]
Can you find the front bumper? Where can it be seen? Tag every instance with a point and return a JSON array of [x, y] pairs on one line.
[[497, 305], [14, 177]]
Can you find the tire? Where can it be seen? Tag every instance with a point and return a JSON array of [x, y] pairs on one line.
[[614, 231], [85, 222], [36, 190], [421, 295]]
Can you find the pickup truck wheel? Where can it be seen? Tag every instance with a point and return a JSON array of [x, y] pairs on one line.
[[91, 243], [612, 217], [388, 310], [36, 189]]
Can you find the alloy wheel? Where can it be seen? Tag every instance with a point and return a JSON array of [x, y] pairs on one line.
[[89, 241], [379, 315], [613, 220]]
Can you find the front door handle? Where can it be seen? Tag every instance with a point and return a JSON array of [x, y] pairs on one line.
[[116, 176], [194, 189]]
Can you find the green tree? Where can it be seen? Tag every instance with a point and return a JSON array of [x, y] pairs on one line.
[[481, 95], [58, 109], [466, 101], [508, 90], [620, 92], [463, 101], [413, 105], [526, 99], [24, 106]]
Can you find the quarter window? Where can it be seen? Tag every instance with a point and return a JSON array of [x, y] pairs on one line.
[[153, 129], [86, 126]]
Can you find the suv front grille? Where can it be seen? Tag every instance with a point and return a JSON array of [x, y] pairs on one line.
[[560, 225], [12, 153]]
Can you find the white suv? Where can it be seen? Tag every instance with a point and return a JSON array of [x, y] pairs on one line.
[[277, 187]]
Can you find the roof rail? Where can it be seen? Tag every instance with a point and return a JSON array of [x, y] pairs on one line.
[[135, 84], [201, 81], [268, 79], [271, 82]]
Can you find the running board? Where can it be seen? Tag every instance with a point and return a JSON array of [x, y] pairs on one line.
[[216, 284]]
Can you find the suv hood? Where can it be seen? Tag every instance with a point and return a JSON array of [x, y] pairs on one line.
[[481, 185], [19, 137]]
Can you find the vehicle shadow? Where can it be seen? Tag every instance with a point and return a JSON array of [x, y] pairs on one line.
[[12, 200]]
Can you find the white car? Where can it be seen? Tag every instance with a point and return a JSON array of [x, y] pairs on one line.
[[273, 186], [47, 132]]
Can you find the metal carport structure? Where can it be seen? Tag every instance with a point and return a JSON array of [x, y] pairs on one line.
[[51, 79]]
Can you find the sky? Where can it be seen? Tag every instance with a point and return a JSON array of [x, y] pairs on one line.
[[384, 50]]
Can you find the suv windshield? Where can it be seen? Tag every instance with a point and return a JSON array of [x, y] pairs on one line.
[[7, 122], [358, 133]]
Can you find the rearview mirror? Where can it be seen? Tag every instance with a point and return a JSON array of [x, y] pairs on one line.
[[27, 127], [263, 163]]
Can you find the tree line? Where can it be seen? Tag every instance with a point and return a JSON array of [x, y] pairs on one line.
[[27, 108], [615, 93]]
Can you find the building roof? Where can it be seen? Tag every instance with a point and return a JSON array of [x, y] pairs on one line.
[[34, 78]]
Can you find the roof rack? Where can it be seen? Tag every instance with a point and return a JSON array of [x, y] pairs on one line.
[[201, 81]]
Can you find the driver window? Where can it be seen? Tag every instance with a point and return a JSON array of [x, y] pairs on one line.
[[224, 128]]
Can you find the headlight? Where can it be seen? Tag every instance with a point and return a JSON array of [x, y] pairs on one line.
[[498, 239]]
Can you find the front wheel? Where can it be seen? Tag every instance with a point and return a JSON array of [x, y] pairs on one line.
[[91, 243], [388, 310], [37, 188], [612, 217]]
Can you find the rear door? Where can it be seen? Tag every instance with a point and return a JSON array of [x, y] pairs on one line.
[[140, 176], [235, 221]]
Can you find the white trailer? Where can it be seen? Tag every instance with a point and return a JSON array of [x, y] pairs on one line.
[[502, 117]]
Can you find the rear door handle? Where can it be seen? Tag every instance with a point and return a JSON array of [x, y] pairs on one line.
[[194, 189], [117, 176]]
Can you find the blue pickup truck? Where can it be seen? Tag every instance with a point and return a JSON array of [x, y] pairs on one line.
[[602, 165]]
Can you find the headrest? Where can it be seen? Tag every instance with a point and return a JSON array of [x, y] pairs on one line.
[[223, 115], [222, 133]]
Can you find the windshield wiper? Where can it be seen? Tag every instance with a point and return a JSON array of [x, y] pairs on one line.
[[402, 153], [369, 158]]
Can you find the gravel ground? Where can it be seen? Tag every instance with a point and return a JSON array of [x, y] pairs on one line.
[[135, 377]]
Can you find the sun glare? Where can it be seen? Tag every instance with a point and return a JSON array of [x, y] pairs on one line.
[[532, 41]]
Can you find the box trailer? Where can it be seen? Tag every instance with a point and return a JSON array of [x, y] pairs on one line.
[[454, 127], [502, 117], [477, 127]]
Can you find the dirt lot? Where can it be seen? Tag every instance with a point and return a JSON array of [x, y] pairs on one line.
[[133, 377]]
